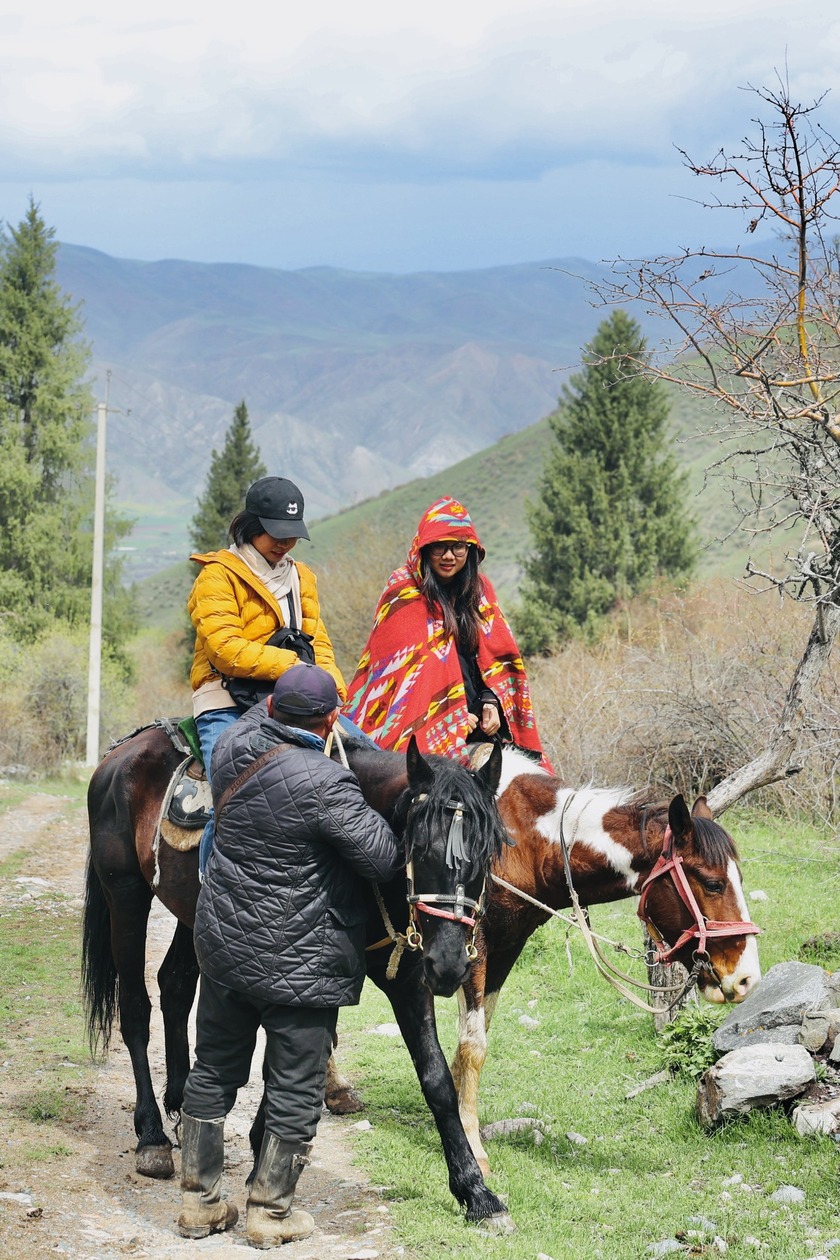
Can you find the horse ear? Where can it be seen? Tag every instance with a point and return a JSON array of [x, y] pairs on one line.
[[420, 773], [490, 772], [700, 809], [679, 820]]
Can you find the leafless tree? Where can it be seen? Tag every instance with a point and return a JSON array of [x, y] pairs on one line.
[[758, 338]]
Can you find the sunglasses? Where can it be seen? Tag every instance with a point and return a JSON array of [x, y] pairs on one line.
[[439, 549]]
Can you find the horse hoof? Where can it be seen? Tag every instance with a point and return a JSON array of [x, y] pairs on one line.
[[344, 1102], [155, 1161], [498, 1223]]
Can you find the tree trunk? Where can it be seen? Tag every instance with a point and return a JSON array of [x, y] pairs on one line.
[[775, 762], [664, 976]]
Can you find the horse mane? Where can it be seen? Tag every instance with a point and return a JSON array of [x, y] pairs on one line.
[[712, 842], [484, 832]]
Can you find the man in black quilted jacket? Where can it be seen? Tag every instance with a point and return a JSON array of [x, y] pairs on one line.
[[280, 936]]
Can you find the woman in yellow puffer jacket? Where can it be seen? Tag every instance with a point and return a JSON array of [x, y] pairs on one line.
[[241, 597]]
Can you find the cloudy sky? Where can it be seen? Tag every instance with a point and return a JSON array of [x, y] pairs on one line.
[[430, 134]]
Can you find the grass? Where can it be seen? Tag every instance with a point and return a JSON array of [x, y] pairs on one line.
[[47, 1070], [646, 1171], [72, 787]]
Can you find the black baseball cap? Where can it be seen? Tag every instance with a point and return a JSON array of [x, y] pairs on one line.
[[305, 691], [279, 505]]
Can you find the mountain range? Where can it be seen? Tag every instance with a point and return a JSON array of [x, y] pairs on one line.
[[354, 382]]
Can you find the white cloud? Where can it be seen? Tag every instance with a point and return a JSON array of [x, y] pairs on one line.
[[185, 88]]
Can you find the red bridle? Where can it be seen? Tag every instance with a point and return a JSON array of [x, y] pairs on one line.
[[432, 903], [703, 929]]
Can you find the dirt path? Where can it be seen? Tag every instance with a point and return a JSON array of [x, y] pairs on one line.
[[93, 1205]]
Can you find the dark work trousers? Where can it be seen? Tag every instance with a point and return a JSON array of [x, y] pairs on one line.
[[298, 1044]]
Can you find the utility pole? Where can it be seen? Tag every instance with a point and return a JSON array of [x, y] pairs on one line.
[[95, 657]]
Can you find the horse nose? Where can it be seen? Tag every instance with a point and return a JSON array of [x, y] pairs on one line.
[[445, 975], [735, 988]]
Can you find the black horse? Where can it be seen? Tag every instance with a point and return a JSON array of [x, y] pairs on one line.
[[447, 817]]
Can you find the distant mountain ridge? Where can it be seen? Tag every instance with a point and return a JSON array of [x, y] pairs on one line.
[[355, 382]]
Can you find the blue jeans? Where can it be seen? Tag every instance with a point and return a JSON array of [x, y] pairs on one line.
[[210, 726], [346, 727]]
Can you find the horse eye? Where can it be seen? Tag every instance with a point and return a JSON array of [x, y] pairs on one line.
[[714, 885]]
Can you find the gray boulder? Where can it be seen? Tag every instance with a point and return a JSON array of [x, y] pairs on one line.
[[773, 1011], [750, 1077]]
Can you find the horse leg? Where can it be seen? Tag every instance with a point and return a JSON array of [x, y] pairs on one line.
[[414, 1009], [474, 1014], [177, 980], [340, 1097], [476, 1004], [129, 901]]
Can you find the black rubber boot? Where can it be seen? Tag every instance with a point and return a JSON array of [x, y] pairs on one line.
[[270, 1220], [203, 1211]]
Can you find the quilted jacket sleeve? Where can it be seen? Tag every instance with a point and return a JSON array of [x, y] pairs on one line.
[[360, 835]]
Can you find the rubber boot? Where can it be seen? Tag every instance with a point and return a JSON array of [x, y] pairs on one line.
[[203, 1211], [270, 1220]]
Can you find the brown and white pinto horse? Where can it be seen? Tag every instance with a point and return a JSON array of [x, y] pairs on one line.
[[683, 864]]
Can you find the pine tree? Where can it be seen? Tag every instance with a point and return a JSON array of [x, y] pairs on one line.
[[611, 514], [229, 476], [46, 454]]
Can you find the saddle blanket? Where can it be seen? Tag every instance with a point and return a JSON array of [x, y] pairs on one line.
[[186, 806]]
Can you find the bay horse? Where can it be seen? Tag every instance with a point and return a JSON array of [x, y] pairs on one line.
[[448, 863], [684, 865]]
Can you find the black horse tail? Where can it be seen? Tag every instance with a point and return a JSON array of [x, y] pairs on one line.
[[99, 975]]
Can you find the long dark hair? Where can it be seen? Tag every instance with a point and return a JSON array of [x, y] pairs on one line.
[[459, 599]]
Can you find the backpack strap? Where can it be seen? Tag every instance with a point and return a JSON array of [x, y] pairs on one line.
[[242, 778]]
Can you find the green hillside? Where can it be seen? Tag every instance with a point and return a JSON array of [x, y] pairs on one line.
[[495, 484]]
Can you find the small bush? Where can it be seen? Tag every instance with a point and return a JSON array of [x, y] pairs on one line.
[[44, 696], [686, 1044], [680, 692]]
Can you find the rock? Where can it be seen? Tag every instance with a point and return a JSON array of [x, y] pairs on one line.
[[752, 1076], [788, 1194], [813, 1118], [773, 1011], [665, 1247], [528, 1022], [577, 1139], [503, 1128], [814, 1030], [755, 895]]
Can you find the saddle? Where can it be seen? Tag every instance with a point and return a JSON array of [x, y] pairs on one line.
[[185, 810]]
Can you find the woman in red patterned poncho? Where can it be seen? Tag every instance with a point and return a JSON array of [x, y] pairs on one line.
[[441, 662]]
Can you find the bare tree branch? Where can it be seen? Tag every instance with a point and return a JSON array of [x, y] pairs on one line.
[[758, 338]]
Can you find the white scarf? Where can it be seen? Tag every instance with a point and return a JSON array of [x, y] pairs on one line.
[[281, 580]]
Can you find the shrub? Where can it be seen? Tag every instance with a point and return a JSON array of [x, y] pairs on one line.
[[686, 1044], [682, 691]]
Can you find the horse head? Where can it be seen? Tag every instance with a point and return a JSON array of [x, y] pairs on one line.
[[453, 832], [693, 904]]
